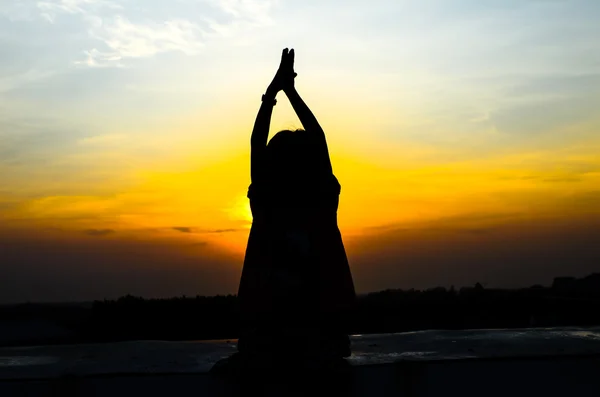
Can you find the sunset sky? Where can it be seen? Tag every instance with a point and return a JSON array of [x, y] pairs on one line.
[[465, 134]]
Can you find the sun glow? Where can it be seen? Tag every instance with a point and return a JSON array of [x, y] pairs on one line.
[[240, 211]]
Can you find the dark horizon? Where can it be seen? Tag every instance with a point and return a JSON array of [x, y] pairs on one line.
[[568, 302], [89, 303], [518, 253]]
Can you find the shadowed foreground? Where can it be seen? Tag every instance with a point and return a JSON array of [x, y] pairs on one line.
[[549, 362], [569, 302]]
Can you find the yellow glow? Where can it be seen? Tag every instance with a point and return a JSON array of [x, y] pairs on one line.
[[384, 182], [240, 211], [210, 198]]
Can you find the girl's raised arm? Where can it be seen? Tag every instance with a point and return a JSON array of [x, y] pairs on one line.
[[307, 118], [260, 132], [310, 123]]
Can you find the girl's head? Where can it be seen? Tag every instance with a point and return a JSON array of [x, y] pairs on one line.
[[293, 156]]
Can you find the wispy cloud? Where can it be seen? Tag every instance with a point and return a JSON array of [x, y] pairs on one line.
[[118, 32], [98, 232], [186, 229], [126, 39], [107, 139], [183, 229], [230, 230], [98, 59], [120, 38], [241, 15], [563, 179], [51, 9], [253, 11]]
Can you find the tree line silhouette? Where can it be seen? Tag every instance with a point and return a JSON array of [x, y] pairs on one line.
[[568, 302]]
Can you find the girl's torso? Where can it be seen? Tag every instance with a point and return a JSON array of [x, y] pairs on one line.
[[295, 206]]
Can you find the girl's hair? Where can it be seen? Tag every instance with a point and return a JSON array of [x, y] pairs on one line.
[[292, 156]]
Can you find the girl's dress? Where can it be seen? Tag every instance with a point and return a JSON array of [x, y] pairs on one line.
[[296, 274]]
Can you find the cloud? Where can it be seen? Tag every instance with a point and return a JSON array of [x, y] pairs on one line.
[[106, 139], [126, 39], [51, 9], [183, 229], [468, 222], [562, 179], [99, 232], [97, 59], [119, 32], [254, 11], [477, 231], [117, 37]]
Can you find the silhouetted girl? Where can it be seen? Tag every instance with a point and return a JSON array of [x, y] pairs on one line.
[[296, 290]]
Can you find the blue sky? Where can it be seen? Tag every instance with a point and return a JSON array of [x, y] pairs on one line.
[[89, 67]]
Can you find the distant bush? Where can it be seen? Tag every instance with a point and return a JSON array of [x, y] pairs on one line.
[[569, 302]]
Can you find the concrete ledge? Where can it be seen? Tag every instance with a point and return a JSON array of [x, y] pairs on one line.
[[549, 362]]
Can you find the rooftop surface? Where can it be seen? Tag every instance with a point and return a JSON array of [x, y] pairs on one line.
[[552, 359]]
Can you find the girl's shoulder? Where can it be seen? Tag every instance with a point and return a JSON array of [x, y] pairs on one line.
[[331, 184], [325, 185]]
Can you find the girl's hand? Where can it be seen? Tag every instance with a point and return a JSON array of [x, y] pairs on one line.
[[284, 78]]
